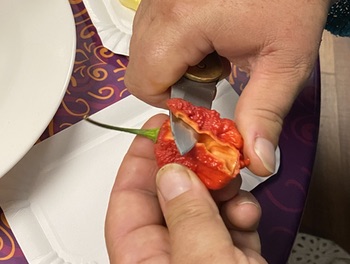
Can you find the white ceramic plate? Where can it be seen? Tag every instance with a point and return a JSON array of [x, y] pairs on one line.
[[37, 51], [113, 22]]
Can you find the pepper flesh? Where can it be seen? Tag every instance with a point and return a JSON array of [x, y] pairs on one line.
[[217, 156]]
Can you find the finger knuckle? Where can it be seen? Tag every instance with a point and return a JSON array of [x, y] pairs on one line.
[[190, 211]]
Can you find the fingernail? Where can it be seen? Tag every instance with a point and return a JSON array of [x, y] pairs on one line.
[[248, 202], [245, 198], [173, 180], [266, 152]]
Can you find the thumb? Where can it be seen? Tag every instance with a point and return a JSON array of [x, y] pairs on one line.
[[260, 112], [192, 217]]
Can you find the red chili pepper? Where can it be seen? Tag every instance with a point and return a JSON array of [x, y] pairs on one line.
[[217, 156]]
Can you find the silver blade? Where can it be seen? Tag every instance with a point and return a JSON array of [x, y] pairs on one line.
[[199, 94], [185, 137]]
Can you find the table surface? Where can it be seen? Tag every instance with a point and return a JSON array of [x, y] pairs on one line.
[[97, 81]]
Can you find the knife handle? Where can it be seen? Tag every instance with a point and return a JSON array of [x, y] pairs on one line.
[[211, 69]]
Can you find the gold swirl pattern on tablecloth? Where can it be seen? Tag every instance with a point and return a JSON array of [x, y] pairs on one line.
[[238, 78], [80, 113], [101, 91], [10, 248], [122, 69]]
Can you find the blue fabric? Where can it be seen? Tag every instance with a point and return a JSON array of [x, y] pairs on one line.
[[338, 21]]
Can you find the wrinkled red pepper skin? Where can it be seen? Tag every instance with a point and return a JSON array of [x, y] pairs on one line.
[[217, 156]]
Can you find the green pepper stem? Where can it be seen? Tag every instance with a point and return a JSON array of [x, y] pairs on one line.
[[152, 133]]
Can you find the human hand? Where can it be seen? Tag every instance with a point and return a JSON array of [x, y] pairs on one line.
[[170, 217], [275, 41]]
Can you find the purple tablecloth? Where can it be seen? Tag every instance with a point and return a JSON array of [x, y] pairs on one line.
[[97, 81]]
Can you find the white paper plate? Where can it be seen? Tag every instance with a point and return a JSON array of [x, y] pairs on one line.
[[37, 50], [113, 22], [55, 199]]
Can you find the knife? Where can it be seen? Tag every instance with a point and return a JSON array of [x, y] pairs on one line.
[[198, 86]]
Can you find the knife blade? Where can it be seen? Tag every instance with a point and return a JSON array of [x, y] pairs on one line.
[[198, 86]]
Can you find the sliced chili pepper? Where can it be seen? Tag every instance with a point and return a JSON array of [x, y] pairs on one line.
[[217, 156]]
